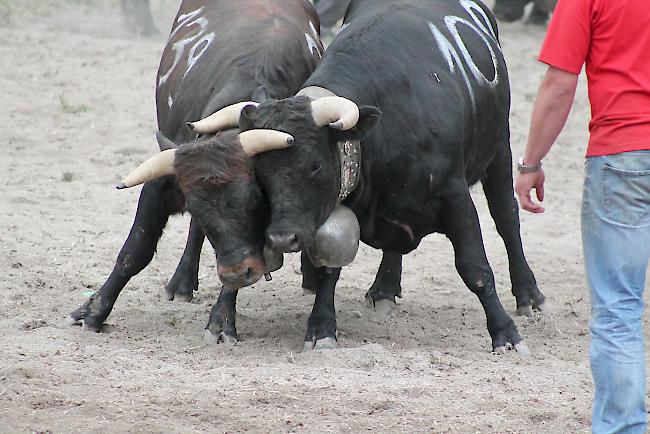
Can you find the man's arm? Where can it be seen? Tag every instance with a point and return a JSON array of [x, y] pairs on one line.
[[550, 112]]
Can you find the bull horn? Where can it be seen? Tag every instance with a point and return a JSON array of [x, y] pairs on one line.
[[337, 112], [227, 117], [256, 141], [155, 167]]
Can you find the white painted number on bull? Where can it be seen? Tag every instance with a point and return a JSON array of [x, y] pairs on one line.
[[200, 42], [483, 28]]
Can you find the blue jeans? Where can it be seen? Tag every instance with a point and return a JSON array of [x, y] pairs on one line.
[[616, 244]]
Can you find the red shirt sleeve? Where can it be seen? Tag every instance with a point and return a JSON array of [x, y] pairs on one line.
[[566, 44]]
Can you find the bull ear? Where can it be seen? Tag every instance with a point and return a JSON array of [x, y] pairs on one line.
[[368, 118], [245, 121], [164, 143]]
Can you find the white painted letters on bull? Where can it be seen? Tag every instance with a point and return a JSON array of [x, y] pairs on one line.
[[451, 53], [197, 49]]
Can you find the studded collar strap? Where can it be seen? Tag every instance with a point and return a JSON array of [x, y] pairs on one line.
[[350, 159]]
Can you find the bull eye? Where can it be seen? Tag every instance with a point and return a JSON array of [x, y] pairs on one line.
[[315, 169]]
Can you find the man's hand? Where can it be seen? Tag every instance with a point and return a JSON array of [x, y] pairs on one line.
[[524, 184]]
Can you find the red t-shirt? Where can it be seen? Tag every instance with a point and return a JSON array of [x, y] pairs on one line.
[[613, 38]]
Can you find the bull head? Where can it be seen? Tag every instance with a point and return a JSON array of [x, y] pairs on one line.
[[215, 176], [303, 182]]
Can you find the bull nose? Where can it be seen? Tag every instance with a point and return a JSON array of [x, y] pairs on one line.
[[237, 279], [288, 242], [243, 274]]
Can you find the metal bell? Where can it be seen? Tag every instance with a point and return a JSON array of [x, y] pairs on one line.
[[337, 240]]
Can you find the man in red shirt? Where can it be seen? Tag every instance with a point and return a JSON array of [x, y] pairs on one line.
[[613, 39]]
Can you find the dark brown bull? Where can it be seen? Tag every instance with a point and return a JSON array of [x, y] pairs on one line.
[[219, 52]]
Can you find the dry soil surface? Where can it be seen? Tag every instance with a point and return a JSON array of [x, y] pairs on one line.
[[78, 112]]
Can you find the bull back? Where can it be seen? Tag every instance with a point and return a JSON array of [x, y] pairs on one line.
[[220, 52], [441, 60]]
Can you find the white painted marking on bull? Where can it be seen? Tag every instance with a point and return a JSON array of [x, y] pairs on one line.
[[188, 20], [314, 33], [311, 41], [451, 52], [170, 101], [193, 56], [452, 23], [471, 9], [452, 57]]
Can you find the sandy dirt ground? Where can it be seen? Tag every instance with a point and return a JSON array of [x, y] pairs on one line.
[[78, 111]]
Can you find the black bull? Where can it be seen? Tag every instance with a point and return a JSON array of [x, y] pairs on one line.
[[433, 73], [219, 53]]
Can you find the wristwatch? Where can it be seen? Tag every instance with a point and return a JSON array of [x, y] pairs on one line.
[[527, 168]]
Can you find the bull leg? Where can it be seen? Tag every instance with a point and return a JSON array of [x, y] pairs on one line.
[[497, 186], [461, 225], [185, 280], [321, 326], [308, 274], [387, 284], [221, 325], [158, 200]]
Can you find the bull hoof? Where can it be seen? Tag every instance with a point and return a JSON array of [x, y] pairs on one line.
[[90, 316], [68, 322], [177, 292], [91, 327], [212, 339], [521, 348], [328, 343], [183, 298], [504, 336], [384, 307], [182, 285], [525, 311], [72, 322]]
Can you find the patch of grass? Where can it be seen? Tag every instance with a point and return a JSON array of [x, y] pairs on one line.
[[66, 107]]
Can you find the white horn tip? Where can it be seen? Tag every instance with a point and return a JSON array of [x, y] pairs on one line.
[[121, 186]]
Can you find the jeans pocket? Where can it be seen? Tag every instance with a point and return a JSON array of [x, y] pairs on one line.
[[627, 195]]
